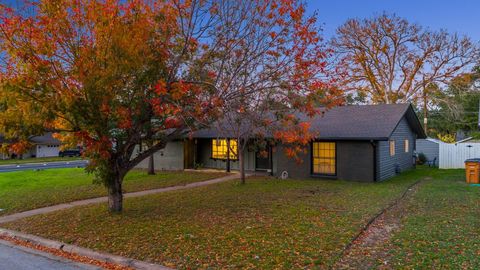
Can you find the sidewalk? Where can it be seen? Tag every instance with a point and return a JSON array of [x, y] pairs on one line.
[[53, 208]]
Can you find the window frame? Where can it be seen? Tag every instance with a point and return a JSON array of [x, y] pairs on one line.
[[312, 170], [226, 158], [392, 148], [406, 143]]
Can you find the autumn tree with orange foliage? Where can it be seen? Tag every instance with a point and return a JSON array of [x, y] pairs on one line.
[[109, 75], [113, 75], [270, 69], [386, 59]]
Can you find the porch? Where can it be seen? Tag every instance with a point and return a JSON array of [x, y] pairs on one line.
[[213, 153]]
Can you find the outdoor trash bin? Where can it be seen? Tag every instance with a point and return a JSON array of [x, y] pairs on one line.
[[472, 170]]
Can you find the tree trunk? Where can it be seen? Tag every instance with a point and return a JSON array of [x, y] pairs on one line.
[[115, 195], [151, 165], [241, 164]]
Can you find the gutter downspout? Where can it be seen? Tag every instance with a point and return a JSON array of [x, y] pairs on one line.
[[374, 146]]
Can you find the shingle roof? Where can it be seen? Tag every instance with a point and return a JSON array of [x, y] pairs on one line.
[[355, 122], [365, 121], [46, 138]]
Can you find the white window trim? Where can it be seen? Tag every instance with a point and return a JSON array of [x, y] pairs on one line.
[[392, 146]]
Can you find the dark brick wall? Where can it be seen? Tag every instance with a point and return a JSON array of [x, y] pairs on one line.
[[294, 169], [354, 162]]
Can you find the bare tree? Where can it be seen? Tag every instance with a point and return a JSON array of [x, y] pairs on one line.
[[388, 59]]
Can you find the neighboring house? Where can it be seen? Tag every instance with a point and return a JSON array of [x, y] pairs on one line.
[[359, 143], [431, 148], [42, 146]]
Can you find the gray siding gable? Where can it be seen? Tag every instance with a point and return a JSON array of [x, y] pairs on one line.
[[386, 164]]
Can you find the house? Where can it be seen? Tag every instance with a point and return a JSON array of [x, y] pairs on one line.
[[430, 148], [42, 146], [358, 143]]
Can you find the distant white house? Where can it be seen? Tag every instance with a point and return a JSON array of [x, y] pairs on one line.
[[42, 146]]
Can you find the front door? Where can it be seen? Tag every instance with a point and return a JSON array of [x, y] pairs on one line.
[[262, 160]]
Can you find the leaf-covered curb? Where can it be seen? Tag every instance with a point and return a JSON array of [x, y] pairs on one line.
[[78, 254]]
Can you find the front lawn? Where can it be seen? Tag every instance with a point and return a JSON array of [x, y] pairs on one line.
[[267, 223], [25, 190]]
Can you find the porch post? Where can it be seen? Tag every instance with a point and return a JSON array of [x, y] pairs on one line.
[[228, 155]]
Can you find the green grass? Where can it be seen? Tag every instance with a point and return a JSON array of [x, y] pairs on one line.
[[265, 224], [442, 228], [25, 190], [36, 160]]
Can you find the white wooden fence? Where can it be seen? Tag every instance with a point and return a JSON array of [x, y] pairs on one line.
[[453, 156]]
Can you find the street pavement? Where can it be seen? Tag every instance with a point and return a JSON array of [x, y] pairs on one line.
[[21, 258], [43, 166]]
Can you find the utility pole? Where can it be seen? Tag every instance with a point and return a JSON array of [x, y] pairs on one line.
[[478, 121], [425, 111]]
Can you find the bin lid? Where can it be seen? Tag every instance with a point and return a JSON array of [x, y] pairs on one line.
[[477, 160]]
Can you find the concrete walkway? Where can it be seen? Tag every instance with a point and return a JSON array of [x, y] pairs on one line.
[[53, 208]]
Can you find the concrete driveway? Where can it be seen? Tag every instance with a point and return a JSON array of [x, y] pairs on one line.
[[22, 258], [44, 165]]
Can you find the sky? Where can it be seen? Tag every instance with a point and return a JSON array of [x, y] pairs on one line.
[[461, 16], [453, 15]]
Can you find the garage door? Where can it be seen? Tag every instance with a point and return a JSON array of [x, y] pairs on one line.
[[47, 150]]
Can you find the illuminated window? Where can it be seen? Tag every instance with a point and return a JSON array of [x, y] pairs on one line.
[[324, 158], [219, 149], [407, 146], [392, 148]]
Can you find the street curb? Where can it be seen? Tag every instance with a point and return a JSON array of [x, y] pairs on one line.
[[48, 255], [99, 256]]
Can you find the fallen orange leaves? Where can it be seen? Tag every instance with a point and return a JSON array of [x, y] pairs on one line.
[[64, 254]]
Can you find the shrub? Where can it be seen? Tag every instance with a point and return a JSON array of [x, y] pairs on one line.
[[421, 158], [447, 138]]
